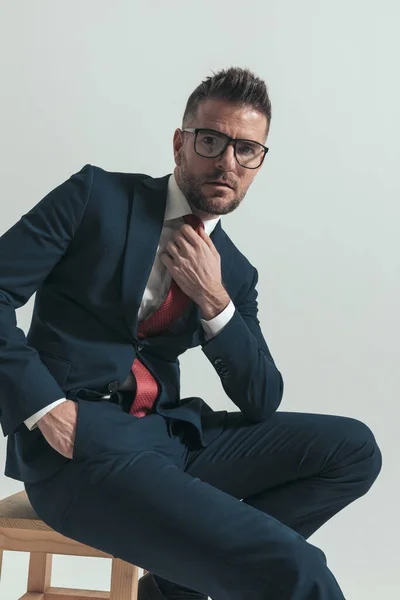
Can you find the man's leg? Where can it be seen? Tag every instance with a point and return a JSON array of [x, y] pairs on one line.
[[299, 468], [126, 493]]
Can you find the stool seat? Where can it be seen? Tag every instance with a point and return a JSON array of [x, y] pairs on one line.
[[21, 530], [16, 511]]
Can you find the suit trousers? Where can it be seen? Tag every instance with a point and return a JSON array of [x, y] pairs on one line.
[[229, 520]]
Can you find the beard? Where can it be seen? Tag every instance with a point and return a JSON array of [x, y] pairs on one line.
[[191, 187]]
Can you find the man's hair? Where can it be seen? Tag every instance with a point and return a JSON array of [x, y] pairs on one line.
[[236, 85]]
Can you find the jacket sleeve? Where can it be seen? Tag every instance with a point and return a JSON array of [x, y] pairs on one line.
[[241, 357], [29, 251]]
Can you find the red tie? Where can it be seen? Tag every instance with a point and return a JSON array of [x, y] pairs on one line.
[[172, 307]]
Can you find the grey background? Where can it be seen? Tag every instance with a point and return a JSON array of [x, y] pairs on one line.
[[106, 83]]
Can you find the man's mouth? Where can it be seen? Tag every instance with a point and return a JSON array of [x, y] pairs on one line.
[[219, 183]]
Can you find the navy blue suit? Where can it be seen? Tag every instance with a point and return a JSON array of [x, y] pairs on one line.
[[217, 502], [88, 248]]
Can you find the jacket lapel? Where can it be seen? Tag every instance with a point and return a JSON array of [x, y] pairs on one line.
[[143, 235]]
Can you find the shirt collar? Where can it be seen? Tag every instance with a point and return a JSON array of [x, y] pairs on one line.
[[177, 206]]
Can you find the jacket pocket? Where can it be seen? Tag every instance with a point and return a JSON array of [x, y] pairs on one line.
[[58, 367]]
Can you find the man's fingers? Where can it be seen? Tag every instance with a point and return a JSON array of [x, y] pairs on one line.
[[172, 248], [189, 233], [166, 260], [206, 238], [193, 237]]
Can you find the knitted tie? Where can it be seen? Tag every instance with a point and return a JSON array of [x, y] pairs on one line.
[[172, 307]]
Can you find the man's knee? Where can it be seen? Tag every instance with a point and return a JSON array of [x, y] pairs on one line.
[[368, 454]]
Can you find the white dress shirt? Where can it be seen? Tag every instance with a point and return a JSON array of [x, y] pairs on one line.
[[160, 280]]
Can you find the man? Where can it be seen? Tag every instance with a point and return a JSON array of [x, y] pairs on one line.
[[130, 272]]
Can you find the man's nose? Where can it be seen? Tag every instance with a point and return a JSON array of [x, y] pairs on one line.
[[227, 160]]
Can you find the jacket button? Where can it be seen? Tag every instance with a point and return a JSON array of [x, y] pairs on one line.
[[113, 386]]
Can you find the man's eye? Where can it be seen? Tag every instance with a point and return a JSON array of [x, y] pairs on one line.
[[246, 149]]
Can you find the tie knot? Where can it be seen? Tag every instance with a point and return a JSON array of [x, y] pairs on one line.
[[194, 221]]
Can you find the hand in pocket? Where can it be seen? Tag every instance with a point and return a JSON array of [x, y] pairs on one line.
[[58, 427]]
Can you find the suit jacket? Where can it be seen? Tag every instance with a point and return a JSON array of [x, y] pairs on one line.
[[87, 249]]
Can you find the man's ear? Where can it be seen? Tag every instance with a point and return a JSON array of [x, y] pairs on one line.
[[178, 146]]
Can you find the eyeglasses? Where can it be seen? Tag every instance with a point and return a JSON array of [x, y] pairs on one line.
[[210, 144]]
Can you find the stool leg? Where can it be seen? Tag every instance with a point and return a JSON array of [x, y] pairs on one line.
[[124, 580], [39, 576]]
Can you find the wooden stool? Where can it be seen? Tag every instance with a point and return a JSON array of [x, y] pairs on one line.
[[21, 530]]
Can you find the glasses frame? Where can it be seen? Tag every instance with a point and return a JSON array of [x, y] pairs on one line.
[[229, 140]]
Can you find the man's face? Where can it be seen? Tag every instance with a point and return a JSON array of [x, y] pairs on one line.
[[194, 173]]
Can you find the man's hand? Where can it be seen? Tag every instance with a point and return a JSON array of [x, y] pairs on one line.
[[195, 264], [58, 427]]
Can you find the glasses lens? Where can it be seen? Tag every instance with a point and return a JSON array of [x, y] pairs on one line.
[[210, 143], [249, 154]]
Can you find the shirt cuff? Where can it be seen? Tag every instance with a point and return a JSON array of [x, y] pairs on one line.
[[31, 421], [215, 325]]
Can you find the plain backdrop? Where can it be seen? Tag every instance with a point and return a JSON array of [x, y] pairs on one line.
[[106, 83]]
